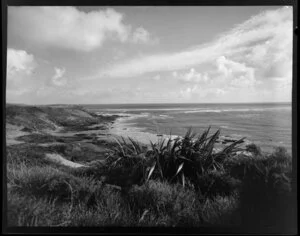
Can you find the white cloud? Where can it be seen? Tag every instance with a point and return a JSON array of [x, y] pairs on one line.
[[118, 54], [192, 76], [157, 77], [17, 92], [197, 92], [258, 43], [281, 83], [19, 61], [162, 62], [69, 28], [58, 78], [141, 35], [224, 73], [20, 74], [188, 92], [237, 74], [220, 91]]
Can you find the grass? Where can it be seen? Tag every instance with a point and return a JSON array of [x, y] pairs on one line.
[[181, 182], [31, 211], [36, 118], [35, 155]]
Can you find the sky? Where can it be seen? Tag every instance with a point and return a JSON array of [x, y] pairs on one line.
[[106, 55]]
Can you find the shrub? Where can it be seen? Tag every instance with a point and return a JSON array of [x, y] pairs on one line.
[[254, 149], [127, 149], [216, 184], [178, 160], [281, 157], [266, 192], [279, 160]]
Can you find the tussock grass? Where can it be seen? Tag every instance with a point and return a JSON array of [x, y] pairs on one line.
[[30, 155], [161, 199], [32, 211], [221, 211], [51, 183], [181, 182]]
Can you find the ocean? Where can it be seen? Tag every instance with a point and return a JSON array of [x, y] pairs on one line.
[[268, 125]]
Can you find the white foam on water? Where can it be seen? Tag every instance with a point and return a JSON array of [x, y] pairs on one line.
[[236, 110], [146, 109], [199, 111]]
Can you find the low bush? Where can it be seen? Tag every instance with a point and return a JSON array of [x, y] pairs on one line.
[[265, 196], [254, 149], [215, 184], [178, 160]]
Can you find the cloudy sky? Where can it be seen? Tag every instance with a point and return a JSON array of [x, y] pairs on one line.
[[149, 54]]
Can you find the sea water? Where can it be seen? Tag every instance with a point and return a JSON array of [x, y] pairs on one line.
[[268, 125]]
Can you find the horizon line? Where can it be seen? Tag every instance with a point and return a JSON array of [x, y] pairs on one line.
[[82, 104]]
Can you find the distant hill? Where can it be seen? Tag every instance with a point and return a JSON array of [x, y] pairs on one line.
[[49, 117]]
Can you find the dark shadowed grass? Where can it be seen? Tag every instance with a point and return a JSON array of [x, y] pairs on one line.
[[215, 183], [33, 211], [266, 198]]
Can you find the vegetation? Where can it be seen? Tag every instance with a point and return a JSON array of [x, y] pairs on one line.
[[180, 182], [37, 118]]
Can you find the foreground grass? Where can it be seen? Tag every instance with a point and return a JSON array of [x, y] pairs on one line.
[[179, 183]]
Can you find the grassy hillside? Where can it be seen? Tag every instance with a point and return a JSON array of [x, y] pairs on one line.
[[36, 118], [184, 182]]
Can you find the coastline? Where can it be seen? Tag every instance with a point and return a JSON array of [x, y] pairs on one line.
[[75, 125], [122, 128], [76, 159], [267, 126]]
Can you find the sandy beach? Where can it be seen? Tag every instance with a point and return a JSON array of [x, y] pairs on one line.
[[122, 128]]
